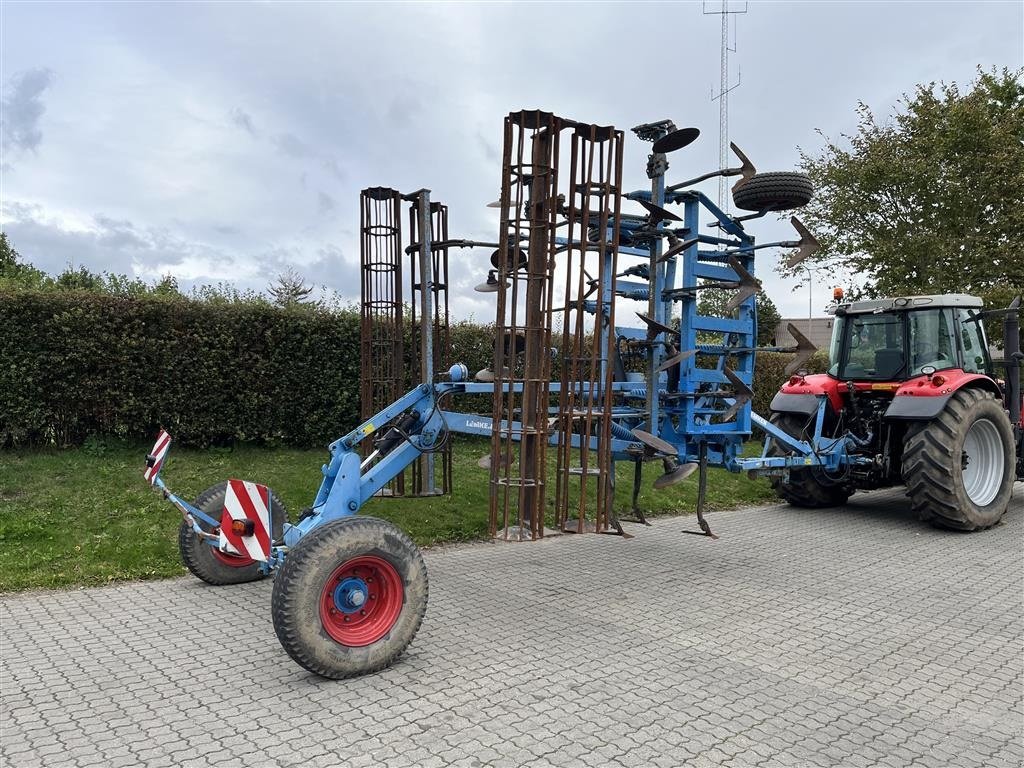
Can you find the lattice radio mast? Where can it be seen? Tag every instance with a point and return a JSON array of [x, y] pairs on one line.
[[723, 95]]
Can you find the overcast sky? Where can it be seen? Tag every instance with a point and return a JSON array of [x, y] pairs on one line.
[[225, 141]]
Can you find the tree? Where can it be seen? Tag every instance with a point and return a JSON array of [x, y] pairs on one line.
[[290, 289], [13, 271], [713, 300], [931, 200]]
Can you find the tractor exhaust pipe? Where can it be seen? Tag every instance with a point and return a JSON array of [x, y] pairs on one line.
[[1011, 350]]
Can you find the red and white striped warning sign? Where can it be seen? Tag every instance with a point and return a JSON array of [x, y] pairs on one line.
[[246, 501], [159, 453]]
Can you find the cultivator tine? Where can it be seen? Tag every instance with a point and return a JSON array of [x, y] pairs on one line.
[[746, 169], [804, 350], [654, 327], [657, 214], [676, 360], [676, 247], [807, 246], [748, 285], [744, 394], [702, 488]]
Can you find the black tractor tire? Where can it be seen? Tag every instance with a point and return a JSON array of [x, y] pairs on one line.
[[777, 191], [214, 567], [958, 467], [308, 618], [805, 487]]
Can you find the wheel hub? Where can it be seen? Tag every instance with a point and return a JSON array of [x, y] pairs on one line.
[[361, 601]]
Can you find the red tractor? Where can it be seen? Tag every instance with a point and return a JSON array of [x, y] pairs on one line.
[[911, 379]]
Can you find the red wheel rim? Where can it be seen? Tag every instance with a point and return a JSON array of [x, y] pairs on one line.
[[234, 561], [361, 600]]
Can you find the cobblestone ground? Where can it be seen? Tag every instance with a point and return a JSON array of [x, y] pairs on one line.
[[853, 638]]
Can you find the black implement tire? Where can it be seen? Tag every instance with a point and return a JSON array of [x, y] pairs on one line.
[[778, 191], [805, 487], [308, 617], [958, 467], [210, 565]]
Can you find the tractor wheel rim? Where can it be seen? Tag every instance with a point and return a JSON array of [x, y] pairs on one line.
[[984, 452], [361, 601]]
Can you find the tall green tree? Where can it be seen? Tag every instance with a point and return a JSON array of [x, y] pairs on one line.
[[930, 200]]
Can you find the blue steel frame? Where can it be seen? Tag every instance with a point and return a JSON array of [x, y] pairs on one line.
[[349, 482]]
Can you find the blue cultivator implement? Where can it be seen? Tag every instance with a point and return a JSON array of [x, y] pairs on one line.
[[567, 266]]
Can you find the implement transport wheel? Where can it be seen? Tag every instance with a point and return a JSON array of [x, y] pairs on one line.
[[350, 597], [806, 487], [779, 191], [958, 467], [209, 563]]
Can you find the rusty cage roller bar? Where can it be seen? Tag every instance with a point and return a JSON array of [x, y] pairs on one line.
[[584, 420], [522, 359], [424, 471], [381, 327]]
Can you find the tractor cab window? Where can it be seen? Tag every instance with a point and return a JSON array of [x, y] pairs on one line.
[[931, 340], [870, 347], [972, 342]]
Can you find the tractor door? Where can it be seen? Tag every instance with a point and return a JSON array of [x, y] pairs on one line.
[[973, 345]]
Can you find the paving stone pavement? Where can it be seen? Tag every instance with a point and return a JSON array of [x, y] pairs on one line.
[[800, 638]]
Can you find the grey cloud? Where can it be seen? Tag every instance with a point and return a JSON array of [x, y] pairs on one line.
[[23, 107], [404, 110], [490, 151], [334, 169], [111, 245], [292, 146], [243, 120], [325, 203]]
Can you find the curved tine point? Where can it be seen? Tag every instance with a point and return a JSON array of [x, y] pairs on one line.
[[656, 327], [676, 359], [748, 168], [657, 213], [676, 140], [495, 204]]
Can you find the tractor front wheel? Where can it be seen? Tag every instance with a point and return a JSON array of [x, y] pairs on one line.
[[350, 597], [209, 563], [958, 467], [804, 487]]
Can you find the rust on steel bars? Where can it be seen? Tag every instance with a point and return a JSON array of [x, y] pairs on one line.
[[381, 329], [525, 261], [585, 478], [431, 473]]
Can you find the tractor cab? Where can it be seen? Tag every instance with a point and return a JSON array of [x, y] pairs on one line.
[[898, 339]]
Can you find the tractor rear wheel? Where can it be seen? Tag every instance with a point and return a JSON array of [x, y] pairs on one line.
[[350, 597], [209, 563], [958, 467], [805, 487]]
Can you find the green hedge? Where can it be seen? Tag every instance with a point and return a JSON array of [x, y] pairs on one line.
[[78, 364], [75, 364]]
